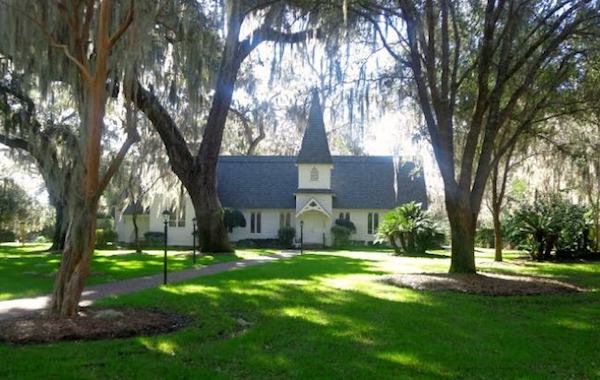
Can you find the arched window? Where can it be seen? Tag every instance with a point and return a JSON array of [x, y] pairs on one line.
[[314, 174]]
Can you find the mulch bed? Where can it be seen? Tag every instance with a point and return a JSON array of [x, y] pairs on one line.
[[90, 324], [489, 284]]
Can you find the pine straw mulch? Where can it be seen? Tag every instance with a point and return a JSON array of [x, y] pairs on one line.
[[489, 284], [90, 324]]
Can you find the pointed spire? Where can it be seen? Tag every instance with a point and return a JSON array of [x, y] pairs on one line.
[[315, 149]]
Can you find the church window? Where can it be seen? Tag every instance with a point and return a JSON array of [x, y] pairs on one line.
[[177, 217], [285, 219], [372, 222], [314, 174], [255, 222]]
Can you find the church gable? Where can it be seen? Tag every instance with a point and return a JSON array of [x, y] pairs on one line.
[[313, 205]]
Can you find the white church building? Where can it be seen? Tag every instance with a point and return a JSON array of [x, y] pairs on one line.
[[313, 187]]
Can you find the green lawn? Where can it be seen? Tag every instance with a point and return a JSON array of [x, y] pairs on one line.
[[28, 270], [321, 315]]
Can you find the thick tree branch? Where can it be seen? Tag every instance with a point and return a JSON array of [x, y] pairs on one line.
[[123, 27], [179, 154], [15, 143], [132, 138]]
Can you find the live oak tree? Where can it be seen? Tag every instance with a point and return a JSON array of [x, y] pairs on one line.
[[75, 42], [472, 65], [47, 144], [197, 169]]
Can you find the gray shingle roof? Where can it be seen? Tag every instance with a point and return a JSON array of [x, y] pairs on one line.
[[357, 182], [314, 148]]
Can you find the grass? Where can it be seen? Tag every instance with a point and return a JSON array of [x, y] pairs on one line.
[[321, 315], [28, 270]]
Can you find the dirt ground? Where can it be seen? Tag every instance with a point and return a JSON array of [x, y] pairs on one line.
[[90, 324], [490, 284]]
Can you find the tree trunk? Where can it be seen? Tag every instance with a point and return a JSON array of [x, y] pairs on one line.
[[75, 263], [403, 243], [61, 224], [498, 244], [462, 226], [392, 241], [411, 242], [136, 233], [212, 234]]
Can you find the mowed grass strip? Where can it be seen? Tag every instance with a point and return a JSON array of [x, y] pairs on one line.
[[322, 315], [28, 270]]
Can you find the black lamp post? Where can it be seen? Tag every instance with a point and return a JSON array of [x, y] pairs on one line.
[[194, 240], [166, 216], [301, 236]]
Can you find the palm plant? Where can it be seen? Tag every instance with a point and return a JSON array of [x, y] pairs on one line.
[[407, 228]]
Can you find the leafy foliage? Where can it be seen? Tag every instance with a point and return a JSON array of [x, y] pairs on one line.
[[484, 237], [154, 239], [106, 237], [550, 224], [7, 236], [233, 218], [341, 230], [286, 236], [14, 204], [346, 223], [411, 228]]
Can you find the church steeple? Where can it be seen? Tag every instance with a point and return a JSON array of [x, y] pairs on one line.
[[314, 149]]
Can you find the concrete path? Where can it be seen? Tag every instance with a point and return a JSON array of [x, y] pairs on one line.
[[19, 307]]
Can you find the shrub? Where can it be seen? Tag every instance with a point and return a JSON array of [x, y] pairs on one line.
[[41, 239], [484, 238], [409, 229], [347, 224], [7, 236], [233, 218], [106, 237], [550, 224], [341, 235], [286, 236], [258, 243], [154, 239]]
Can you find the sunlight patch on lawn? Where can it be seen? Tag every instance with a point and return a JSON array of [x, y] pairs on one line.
[[264, 288], [573, 324], [186, 289], [309, 314], [162, 345], [412, 361]]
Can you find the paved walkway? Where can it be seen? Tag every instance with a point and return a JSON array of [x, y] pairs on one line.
[[21, 306]]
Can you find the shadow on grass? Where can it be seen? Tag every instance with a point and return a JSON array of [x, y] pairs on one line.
[[321, 316], [426, 255]]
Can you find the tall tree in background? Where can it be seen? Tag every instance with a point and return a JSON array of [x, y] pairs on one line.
[[198, 171], [48, 144], [74, 42], [473, 66]]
